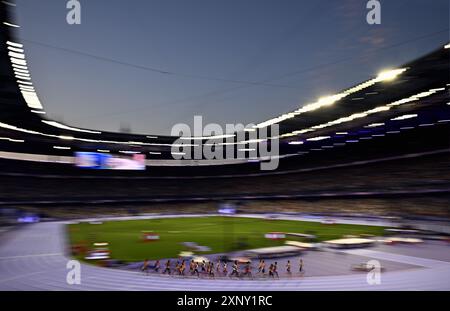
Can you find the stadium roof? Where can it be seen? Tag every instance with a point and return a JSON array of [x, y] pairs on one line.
[[397, 101]]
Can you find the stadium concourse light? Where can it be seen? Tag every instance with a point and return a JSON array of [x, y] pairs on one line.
[[447, 46], [61, 148], [11, 25], [66, 127], [38, 111], [374, 125], [318, 138], [405, 117], [207, 137], [12, 140], [65, 137], [389, 75]]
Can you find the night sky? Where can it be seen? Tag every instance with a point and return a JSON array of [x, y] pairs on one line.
[[295, 51]]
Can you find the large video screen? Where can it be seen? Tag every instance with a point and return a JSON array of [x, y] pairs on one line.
[[104, 161]]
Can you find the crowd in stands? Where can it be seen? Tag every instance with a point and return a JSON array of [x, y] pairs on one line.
[[407, 174]]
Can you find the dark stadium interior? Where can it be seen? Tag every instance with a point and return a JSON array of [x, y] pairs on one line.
[[409, 156], [360, 183]]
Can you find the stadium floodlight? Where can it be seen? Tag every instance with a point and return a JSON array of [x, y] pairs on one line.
[[16, 66], [318, 138], [379, 109], [136, 143], [207, 137], [300, 132], [251, 141], [9, 3], [12, 140], [20, 82], [18, 50], [16, 55], [11, 25], [14, 44], [31, 99], [296, 143], [366, 113], [447, 46], [103, 150], [374, 125], [129, 152], [18, 61], [246, 149], [64, 137], [22, 76], [65, 127], [23, 71], [37, 103], [38, 111], [404, 117], [342, 133], [152, 137], [330, 100], [437, 89], [61, 148], [389, 75], [154, 152]]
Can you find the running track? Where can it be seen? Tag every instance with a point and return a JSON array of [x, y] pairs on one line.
[[32, 258]]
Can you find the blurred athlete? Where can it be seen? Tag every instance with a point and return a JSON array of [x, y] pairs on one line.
[[196, 269], [203, 266], [211, 269], [183, 267], [248, 271], [156, 266], [235, 270], [218, 267], [167, 269], [300, 266], [259, 266], [274, 270], [225, 270], [288, 267], [271, 270], [145, 266]]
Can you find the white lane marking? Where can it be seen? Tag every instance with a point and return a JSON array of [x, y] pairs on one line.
[[31, 255], [411, 260]]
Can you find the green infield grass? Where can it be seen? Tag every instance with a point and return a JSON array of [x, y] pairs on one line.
[[219, 234]]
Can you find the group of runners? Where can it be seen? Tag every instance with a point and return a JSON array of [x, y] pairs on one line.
[[209, 269], [273, 268]]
